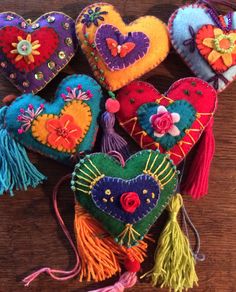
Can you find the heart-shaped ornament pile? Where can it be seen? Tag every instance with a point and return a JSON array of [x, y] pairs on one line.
[[119, 53], [171, 123], [127, 199], [33, 53], [206, 42], [62, 128]]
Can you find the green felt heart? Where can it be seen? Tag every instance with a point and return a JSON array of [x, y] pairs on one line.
[[187, 115], [93, 168]]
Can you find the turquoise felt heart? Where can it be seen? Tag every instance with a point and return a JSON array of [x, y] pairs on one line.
[[108, 190], [182, 107], [60, 129]]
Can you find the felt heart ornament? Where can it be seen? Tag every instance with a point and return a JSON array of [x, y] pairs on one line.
[[119, 53], [171, 123], [62, 129], [33, 53], [126, 199], [207, 42]]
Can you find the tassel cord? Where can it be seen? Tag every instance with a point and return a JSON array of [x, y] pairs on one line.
[[127, 280], [118, 156], [65, 275], [186, 220]]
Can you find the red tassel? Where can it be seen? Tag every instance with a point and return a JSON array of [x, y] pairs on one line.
[[196, 182]]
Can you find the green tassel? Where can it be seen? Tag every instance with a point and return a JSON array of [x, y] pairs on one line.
[[16, 170], [174, 266]]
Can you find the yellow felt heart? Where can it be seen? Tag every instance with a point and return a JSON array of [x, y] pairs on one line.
[[94, 18], [65, 131]]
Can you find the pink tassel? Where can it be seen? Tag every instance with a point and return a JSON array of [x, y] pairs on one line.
[[127, 280], [196, 182]]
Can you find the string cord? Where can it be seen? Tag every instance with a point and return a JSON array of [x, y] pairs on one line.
[[187, 221], [220, 2], [58, 274]]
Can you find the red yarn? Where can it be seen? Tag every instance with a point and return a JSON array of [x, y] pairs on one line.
[[112, 105], [47, 37], [196, 182], [132, 265]]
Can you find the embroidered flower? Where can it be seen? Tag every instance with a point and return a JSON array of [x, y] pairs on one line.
[[25, 49], [27, 116], [63, 132], [223, 46], [93, 16], [164, 122], [76, 93], [130, 202]]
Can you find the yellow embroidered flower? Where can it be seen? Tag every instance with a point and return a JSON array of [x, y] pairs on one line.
[[222, 45], [26, 49]]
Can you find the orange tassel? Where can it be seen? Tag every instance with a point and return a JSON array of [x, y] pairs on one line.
[[100, 255]]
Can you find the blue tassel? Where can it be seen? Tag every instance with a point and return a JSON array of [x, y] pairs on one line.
[[16, 170]]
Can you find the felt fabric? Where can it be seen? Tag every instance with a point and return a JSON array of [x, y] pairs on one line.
[[99, 167], [192, 99], [182, 107], [184, 26], [60, 129], [218, 48], [48, 45], [115, 58], [107, 193], [144, 42]]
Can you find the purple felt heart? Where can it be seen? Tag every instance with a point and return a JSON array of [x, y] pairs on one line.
[[120, 51], [126, 200], [54, 32]]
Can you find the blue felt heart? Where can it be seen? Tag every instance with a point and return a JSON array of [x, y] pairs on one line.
[[108, 193], [184, 24], [120, 51], [60, 129]]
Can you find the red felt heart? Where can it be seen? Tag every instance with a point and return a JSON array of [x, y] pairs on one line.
[[199, 94], [46, 37], [217, 47]]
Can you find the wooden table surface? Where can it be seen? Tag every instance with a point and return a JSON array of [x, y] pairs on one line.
[[29, 233]]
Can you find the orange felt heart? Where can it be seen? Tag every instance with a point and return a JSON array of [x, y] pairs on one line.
[[45, 127], [136, 48], [217, 47]]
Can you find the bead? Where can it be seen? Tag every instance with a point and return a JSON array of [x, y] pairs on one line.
[[24, 48], [9, 17], [51, 65], [132, 266], [35, 25], [68, 41], [39, 75], [112, 105], [13, 75], [23, 24], [3, 64], [26, 83], [66, 25], [50, 19], [61, 55]]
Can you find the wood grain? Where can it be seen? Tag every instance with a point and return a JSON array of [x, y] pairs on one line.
[[29, 234]]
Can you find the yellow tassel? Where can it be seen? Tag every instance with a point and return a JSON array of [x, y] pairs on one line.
[[99, 253], [174, 266]]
